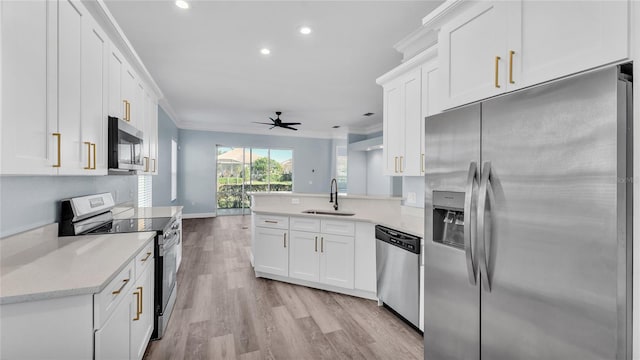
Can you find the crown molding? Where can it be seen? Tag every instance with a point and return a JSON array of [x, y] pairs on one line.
[[418, 60], [108, 23], [434, 19]]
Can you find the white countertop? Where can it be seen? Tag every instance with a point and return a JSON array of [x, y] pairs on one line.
[[341, 196], [145, 212], [75, 265]]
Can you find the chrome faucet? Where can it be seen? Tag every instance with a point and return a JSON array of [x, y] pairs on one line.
[[335, 205]]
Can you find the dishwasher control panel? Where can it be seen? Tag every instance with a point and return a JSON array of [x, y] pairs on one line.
[[402, 240]]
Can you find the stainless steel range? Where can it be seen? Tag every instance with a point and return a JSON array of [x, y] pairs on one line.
[[92, 214]]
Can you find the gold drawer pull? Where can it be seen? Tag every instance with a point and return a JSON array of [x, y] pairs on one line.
[[285, 240], [124, 283], [88, 167], [59, 139], [497, 62], [316, 244], [146, 258], [94, 156], [138, 294], [511, 52]]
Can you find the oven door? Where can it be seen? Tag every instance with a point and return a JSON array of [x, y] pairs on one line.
[[169, 253]]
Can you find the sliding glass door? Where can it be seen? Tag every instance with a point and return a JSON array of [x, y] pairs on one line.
[[242, 170]]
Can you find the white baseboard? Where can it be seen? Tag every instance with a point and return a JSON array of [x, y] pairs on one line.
[[198, 215]]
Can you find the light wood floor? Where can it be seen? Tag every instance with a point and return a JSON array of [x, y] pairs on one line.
[[223, 311]]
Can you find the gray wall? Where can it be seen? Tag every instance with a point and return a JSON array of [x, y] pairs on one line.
[[377, 184], [167, 131], [197, 164], [27, 202], [356, 167]]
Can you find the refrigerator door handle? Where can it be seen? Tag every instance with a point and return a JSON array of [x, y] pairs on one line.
[[472, 179], [482, 248]]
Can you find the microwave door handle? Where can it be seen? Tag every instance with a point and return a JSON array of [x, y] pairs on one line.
[[472, 179], [482, 238]]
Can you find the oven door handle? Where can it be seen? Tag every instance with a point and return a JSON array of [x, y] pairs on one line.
[[168, 243]]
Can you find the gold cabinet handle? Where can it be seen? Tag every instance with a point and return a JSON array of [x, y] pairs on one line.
[[316, 244], [154, 165], [401, 158], [147, 257], [284, 242], [94, 156], [497, 63], [141, 303], [395, 164], [138, 294], [88, 167], [511, 52], [128, 111], [322, 244], [146, 169], [124, 283], [422, 162], [59, 140]]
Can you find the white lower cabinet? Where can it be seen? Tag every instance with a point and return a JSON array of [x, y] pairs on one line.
[[112, 339], [271, 254], [304, 261], [141, 313], [336, 260]]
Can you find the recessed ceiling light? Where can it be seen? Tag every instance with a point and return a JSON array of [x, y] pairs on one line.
[[182, 4], [265, 51], [305, 30]]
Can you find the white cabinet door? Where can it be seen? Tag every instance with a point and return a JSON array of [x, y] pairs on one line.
[[412, 119], [430, 102], [95, 57], [75, 155], [271, 251], [554, 39], [304, 256], [153, 145], [112, 339], [471, 53], [128, 94], [392, 128], [27, 143], [117, 106], [337, 260], [138, 107], [142, 313]]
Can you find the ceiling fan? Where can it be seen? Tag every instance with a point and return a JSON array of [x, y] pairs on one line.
[[278, 123]]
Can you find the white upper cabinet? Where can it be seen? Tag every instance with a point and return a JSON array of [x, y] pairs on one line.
[[28, 140], [117, 104], [412, 120], [150, 130], [553, 39], [472, 54], [499, 46], [95, 57], [401, 124], [392, 127]]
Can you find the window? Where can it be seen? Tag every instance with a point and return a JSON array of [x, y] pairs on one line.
[[174, 170], [341, 168], [145, 190]]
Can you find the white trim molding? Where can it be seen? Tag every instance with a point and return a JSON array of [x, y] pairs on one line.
[[198, 215]]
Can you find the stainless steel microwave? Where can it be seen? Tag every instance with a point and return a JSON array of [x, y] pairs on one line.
[[125, 147]]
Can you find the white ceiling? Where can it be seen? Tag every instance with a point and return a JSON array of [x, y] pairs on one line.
[[207, 61]]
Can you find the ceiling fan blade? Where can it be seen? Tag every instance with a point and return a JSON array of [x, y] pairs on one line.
[[288, 127], [273, 127], [291, 123], [262, 123], [272, 119]]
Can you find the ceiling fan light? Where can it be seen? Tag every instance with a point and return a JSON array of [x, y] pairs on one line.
[[265, 51], [305, 30]]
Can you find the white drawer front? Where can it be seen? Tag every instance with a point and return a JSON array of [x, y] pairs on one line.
[[272, 221], [347, 228], [143, 259], [305, 224], [105, 302]]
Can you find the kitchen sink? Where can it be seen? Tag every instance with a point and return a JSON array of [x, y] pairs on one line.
[[328, 212]]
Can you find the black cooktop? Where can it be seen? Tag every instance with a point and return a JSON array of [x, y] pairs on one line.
[[132, 225]]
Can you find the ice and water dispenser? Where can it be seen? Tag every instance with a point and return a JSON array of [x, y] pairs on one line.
[[448, 218]]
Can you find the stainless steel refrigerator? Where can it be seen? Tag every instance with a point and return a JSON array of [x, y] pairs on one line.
[[528, 224]]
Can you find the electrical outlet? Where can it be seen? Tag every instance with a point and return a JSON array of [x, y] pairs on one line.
[[295, 201], [411, 198]]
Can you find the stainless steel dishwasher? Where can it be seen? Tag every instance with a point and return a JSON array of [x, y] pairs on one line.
[[398, 272]]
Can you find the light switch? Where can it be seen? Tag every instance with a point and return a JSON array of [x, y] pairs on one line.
[[411, 198], [295, 201]]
